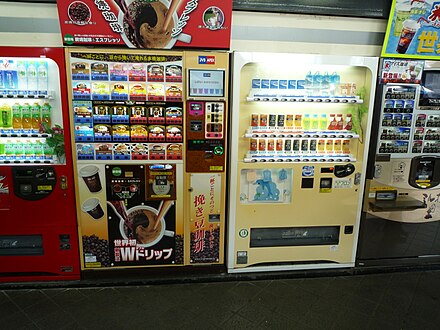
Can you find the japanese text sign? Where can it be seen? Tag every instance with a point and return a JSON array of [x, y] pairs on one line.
[[150, 24]]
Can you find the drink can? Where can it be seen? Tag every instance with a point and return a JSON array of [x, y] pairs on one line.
[[270, 145], [254, 119], [253, 145], [329, 145], [289, 120], [263, 120], [305, 145], [280, 120], [279, 145], [296, 145], [346, 146], [272, 120], [313, 145], [262, 145], [288, 145]]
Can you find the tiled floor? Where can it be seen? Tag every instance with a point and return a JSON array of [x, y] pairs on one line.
[[403, 300]]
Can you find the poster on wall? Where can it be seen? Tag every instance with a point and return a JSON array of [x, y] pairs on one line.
[[413, 30], [149, 24], [140, 232]]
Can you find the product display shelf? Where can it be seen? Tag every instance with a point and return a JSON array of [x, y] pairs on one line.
[[286, 133], [302, 98], [22, 95], [298, 158]]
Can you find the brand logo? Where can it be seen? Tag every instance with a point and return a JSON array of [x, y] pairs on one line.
[[206, 59]]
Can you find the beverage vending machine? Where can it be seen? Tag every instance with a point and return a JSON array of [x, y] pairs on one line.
[[401, 217], [149, 142], [38, 230], [299, 140]]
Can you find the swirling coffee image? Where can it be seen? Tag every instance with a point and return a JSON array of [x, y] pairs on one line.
[[143, 222], [144, 24]]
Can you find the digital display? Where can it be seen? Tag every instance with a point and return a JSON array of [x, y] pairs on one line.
[[206, 83], [425, 171], [431, 84]]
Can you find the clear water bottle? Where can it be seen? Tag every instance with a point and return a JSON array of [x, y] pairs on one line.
[[317, 83], [308, 83], [335, 82]]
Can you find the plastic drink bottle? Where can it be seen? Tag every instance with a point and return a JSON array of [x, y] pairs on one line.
[[5, 116], [26, 118], [42, 78], [36, 116], [339, 122], [46, 114], [314, 122], [16, 117], [348, 123], [306, 122], [332, 122], [323, 122], [22, 76], [32, 79], [335, 82]]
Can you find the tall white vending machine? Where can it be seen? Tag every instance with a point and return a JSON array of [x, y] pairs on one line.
[[299, 141]]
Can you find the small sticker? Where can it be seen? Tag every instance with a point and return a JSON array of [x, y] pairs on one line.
[[243, 233], [308, 171]]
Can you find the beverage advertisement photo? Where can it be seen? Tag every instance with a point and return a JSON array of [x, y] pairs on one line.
[[412, 30], [149, 24]]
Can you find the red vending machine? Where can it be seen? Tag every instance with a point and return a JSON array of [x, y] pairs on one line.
[[38, 230]]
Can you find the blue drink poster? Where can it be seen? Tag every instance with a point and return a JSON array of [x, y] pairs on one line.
[[413, 30]]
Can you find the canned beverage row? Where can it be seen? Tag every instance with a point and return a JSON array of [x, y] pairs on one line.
[[313, 122], [305, 146]]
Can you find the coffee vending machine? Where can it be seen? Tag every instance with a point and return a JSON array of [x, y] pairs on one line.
[[38, 229], [401, 214], [150, 133], [299, 140]]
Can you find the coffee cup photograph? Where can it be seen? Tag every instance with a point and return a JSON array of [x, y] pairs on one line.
[[90, 175], [150, 24], [93, 207]]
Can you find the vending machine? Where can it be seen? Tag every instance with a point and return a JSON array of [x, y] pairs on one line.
[[38, 229], [401, 217], [299, 140], [149, 147]]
